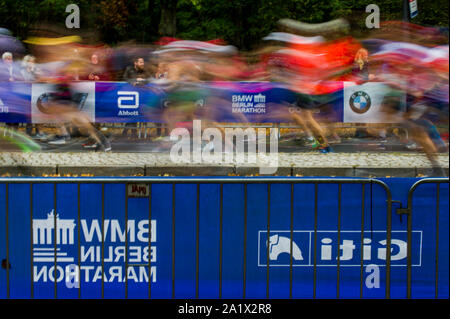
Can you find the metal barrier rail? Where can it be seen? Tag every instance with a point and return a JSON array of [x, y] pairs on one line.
[[198, 181], [408, 212]]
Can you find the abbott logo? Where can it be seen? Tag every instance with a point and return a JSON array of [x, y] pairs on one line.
[[131, 99]]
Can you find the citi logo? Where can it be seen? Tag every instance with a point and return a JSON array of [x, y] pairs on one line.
[[349, 250]]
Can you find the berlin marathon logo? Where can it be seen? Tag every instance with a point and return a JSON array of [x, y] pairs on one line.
[[248, 103], [89, 250]]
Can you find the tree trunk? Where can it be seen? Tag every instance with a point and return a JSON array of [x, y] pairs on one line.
[[168, 22]]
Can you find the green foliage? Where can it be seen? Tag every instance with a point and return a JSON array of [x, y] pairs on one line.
[[239, 22]]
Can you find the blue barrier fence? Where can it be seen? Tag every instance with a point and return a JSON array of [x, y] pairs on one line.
[[223, 238]]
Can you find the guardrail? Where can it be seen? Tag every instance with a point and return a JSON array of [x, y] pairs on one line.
[[409, 212], [258, 203]]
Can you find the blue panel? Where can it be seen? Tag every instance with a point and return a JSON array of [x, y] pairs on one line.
[[233, 241], [257, 224], [19, 241], [302, 272], [161, 287], [443, 260], [43, 247], [114, 243], [185, 240], [209, 241], [3, 273], [91, 241], [280, 220], [67, 255], [245, 241]]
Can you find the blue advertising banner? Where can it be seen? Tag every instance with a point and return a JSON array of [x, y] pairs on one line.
[[226, 250], [121, 102], [15, 102]]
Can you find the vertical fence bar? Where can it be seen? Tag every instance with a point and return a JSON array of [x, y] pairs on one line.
[[173, 241], [79, 240], [338, 240], [31, 241], [245, 242], [315, 242], [7, 239], [408, 246], [126, 241], [221, 241], [388, 242], [149, 241], [197, 253], [362, 242], [437, 239], [103, 241], [55, 238], [268, 240], [292, 238]]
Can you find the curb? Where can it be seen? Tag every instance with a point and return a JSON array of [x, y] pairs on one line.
[[149, 170]]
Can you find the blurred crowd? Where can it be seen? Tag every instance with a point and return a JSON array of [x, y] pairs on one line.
[[412, 61]]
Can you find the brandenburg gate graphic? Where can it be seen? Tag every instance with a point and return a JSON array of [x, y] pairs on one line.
[[43, 233]]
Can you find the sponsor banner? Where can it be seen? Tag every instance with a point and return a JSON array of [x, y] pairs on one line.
[[123, 102], [15, 102], [362, 103], [83, 94], [263, 102], [251, 102]]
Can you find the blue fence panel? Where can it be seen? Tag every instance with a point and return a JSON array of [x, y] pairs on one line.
[[161, 197], [209, 241], [43, 246], [233, 241], [256, 280], [242, 228], [185, 240], [424, 219]]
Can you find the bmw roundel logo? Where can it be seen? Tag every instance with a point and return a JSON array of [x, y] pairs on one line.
[[360, 102]]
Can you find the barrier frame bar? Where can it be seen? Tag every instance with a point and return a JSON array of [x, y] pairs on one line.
[[221, 181], [436, 181]]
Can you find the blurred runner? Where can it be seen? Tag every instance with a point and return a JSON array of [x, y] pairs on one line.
[[61, 104]]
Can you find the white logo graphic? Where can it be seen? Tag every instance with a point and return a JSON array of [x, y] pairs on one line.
[[3, 108], [128, 96], [247, 103], [100, 243], [260, 98], [279, 244], [43, 231], [349, 249]]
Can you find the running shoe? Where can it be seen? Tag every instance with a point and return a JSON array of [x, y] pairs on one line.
[[325, 149], [41, 136], [103, 147], [90, 145], [411, 146], [312, 142], [59, 140]]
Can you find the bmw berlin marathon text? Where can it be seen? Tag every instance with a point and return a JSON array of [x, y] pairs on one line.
[[91, 254]]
